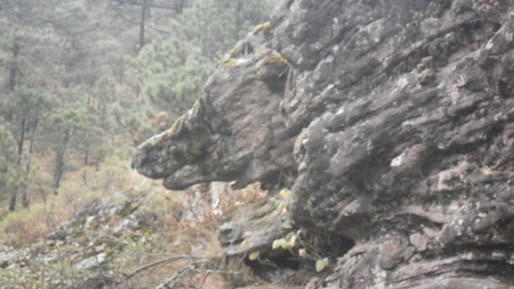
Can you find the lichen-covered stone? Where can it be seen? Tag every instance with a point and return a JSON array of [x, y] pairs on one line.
[[196, 152], [263, 27], [241, 49], [273, 69], [228, 62], [176, 128]]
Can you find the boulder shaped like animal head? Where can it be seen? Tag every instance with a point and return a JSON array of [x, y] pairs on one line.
[[232, 133]]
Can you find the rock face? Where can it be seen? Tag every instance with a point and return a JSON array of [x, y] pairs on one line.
[[392, 122]]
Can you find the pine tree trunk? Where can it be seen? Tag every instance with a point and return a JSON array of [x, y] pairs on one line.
[[25, 198], [12, 201], [59, 160], [21, 140], [239, 19], [142, 23], [86, 155], [180, 6], [13, 69]]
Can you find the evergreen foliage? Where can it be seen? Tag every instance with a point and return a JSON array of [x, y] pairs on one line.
[[175, 67], [83, 79]]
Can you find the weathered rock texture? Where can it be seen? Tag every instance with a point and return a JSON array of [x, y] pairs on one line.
[[391, 121]]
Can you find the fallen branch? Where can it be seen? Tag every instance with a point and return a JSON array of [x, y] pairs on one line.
[[171, 282], [158, 262]]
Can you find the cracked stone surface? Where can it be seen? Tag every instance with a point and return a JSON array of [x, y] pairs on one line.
[[392, 122]]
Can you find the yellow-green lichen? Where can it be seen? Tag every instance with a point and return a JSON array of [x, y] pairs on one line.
[[197, 107], [272, 65], [298, 143], [276, 58], [227, 62], [175, 128], [263, 27], [147, 145], [241, 48]]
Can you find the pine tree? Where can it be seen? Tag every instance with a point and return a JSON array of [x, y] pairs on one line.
[[9, 175], [24, 110], [174, 68]]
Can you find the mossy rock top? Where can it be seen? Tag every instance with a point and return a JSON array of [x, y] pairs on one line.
[[272, 66], [176, 128], [263, 27]]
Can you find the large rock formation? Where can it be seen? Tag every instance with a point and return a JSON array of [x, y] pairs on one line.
[[391, 121]]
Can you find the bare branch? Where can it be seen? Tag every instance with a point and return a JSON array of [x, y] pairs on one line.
[[158, 262]]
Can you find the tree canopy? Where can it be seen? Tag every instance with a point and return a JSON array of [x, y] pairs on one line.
[[83, 79]]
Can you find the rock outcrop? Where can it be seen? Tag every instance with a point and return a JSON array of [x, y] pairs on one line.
[[391, 122]]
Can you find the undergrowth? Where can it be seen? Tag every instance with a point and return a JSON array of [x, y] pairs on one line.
[[180, 224]]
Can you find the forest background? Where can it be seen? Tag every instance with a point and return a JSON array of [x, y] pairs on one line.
[[82, 83], [85, 81]]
